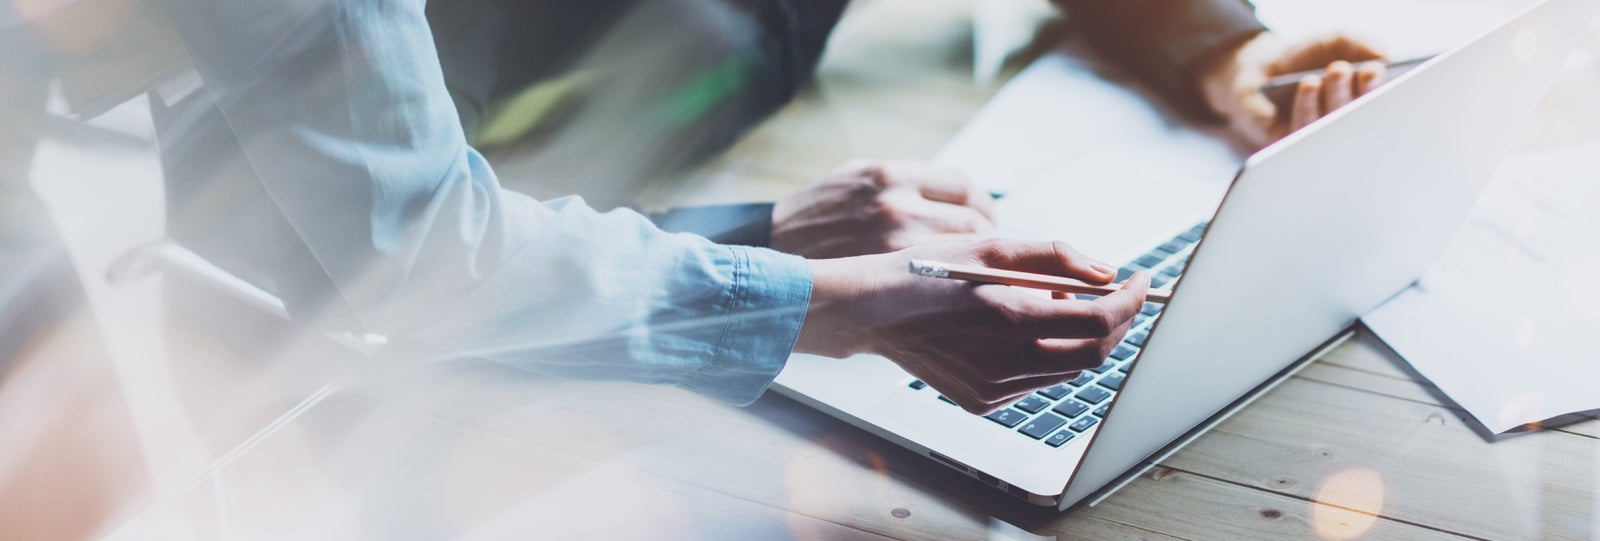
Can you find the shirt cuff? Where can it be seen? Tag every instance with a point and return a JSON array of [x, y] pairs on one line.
[[768, 300]]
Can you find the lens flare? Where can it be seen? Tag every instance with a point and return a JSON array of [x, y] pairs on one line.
[[1347, 504]]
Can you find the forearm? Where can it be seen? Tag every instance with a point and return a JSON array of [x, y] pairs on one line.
[[402, 226]]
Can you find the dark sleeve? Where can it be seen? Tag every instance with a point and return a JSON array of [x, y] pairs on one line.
[[748, 224], [1165, 41], [802, 28]]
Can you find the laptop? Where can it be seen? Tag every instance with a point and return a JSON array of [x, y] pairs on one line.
[[1267, 271]]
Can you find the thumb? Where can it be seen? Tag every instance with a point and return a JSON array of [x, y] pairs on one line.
[[1054, 258]]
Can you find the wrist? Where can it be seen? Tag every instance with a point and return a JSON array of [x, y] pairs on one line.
[[833, 325], [1236, 68]]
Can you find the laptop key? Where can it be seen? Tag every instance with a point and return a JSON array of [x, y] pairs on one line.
[[1101, 411], [1123, 274], [1093, 395], [1173, 271], [1138, 338], [1159, 280], [1041, 427], [1083, 424], [1193, 235], [1149, 261], [1103, 367], [917, 385], [1032, 404], [1070, 408], [1112, 381], [1081, 380], [1056, 392], [947, 400], [1060, 438], [1122, 352], [1173, 247], [1008, 417], [1150, 309]]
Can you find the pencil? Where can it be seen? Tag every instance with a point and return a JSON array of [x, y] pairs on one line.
[[973, 273]]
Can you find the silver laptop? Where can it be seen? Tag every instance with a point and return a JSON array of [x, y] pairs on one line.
[[1313, 231]]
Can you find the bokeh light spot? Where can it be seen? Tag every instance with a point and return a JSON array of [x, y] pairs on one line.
[[1347, 504]]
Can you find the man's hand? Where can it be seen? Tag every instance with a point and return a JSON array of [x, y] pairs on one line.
[[983, 346], [877, 207], [1232, 85]]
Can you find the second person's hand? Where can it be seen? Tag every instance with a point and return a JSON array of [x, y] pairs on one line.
[[874, 207], [1232, 84]]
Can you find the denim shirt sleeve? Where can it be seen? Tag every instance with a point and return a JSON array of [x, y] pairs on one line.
[[341, 108]]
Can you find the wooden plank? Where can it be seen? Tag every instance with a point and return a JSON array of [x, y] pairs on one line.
[[1193, 506], [352, 469], [781, 454], [1431, 470], [776, 453]]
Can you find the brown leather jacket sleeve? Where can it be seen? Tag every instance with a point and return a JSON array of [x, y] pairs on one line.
[[1165, 41]]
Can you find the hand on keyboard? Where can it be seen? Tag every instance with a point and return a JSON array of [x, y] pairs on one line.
[[982, 346]]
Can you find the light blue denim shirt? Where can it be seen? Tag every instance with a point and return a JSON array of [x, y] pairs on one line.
[[342, 111]]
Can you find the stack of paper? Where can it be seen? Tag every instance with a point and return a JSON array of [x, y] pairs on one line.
[[1505, 324]]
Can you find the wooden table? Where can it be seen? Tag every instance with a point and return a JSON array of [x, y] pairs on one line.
[[1352, 447]]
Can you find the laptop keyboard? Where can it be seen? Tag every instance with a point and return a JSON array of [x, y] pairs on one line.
[[1056, 415]]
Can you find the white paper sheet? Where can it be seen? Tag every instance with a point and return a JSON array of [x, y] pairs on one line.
[[1506, 324]]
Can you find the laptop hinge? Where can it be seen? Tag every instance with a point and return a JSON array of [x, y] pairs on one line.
[[1220, 416]]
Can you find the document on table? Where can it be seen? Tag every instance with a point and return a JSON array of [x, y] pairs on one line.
[[1508, 323]]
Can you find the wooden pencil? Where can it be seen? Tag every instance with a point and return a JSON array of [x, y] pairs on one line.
[[973, 273]]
